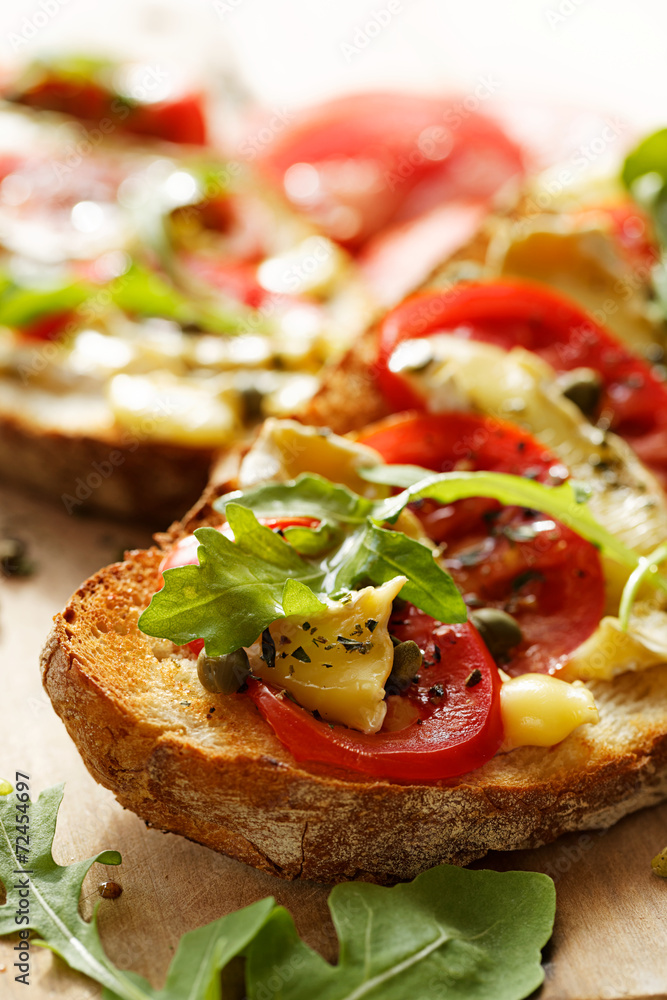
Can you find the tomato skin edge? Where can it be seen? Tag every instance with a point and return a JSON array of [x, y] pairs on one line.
[[403, 756]]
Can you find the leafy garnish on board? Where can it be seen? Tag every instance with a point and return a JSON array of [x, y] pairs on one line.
[[240, 588], [466, 935]]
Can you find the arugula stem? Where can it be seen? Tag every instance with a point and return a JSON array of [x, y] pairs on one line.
[[565, 503], [647, 564]]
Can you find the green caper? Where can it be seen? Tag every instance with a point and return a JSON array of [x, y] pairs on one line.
[[659, 864], [583, 387], [223, 674], [251, 401], [499, 631], [407, 661]]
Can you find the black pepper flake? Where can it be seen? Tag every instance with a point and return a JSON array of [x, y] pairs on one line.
[[301, 654], [284, 640], [268, 648], [473, 678], [371, 624], [331, 645], [437, 691], [282, 655], [313, 630], [305, 626], [328, 665], [419, 722], [437, 655]]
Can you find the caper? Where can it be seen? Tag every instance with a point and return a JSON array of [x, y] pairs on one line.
[[407, 661], [251, 401], [583, 387], [499, 631], [223, 674], [659, 864]]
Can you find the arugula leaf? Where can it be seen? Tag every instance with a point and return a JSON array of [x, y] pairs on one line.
[[566, 502], [194, 973], [54, 914], [240, 588], [646, 566], [20, 306], [226, 600], [645, 176], [143, 292], [55, 890], [469, 935], [453, 932], [297, 599], [307, 496], [381, 555]]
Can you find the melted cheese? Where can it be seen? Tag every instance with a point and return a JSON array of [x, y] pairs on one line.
[[284, 449], [163, 408], [539, 710], [344, 682]]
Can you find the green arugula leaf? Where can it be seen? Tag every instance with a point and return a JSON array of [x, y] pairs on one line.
[[649, 157], [297, 599], [645, 176], [194, 973], [647, 565], [380, 555], [455, 933], [55, 891], [566, 503], [307, 496], [240, 588], [226, 600], [142, 292], [20, 306], [314, 541]]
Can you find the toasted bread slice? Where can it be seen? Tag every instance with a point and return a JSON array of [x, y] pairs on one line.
[[210, 768]]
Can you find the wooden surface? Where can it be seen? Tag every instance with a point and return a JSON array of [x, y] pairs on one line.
[[610, 940]]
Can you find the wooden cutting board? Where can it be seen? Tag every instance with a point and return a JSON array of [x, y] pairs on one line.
[[610, 940]]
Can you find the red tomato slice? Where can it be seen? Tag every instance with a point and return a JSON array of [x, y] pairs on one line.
[[378, 157], [515, 313], [546, 576], [48, 326], [181, 120], [459, 727], [235, 278]]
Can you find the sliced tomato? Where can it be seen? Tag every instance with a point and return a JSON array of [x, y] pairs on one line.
[[547, 577], [181, 120], [521, 314], [47, 327], [376, 158], [235, 278], [456, 728]]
